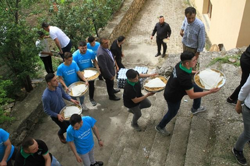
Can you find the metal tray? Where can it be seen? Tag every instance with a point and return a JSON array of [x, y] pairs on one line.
[[74, 84], [198, 83], [164, 79], [94, 76], [62, 111]]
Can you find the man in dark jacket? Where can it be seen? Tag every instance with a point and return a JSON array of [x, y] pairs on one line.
[[245, 67], [107, 65], [163, 32]]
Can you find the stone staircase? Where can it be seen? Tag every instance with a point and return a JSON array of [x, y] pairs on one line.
[[132, 148]]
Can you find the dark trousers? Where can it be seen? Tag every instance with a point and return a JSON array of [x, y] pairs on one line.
[[119, 63], [91, 89], [66, 49], [137, 110], [110, 87], [47, 64], [173, 108], [245, 67], [63, 125], [159, 43], [9, 163]]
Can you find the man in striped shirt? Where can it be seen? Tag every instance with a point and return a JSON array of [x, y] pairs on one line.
[[193, 32]]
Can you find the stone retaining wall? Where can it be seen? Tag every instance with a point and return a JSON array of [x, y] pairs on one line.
[[123, 20]]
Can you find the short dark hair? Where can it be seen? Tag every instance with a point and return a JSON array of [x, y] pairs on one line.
[[82, 43], [91, 39], [131, 74], [161, 17], [103, 38], [187, 55], [120, 38], [75, 118], [45, 25], [49, 77], [40, 33], [27, 142], [190, 11], [67, 55]]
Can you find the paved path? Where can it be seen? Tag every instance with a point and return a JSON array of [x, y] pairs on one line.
[[139, 50]]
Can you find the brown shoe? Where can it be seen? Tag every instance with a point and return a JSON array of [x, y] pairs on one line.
[[62, 139]]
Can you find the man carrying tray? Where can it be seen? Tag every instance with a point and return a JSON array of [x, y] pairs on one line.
[[85, 58], [69, 73], [133, 99], [180, 84], [53, 103]]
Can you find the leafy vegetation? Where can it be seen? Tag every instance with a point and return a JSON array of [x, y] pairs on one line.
[[80, 19], [4, 99], [233, 59]]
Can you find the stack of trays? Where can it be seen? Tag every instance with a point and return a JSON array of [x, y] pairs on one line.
[[121, 79]]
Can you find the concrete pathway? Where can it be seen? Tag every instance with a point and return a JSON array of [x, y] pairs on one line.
[[113, 120]]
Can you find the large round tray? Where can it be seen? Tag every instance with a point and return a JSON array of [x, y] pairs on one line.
[[220, 84], [94, 76], [74, 84], [62, 111], [164, 79]]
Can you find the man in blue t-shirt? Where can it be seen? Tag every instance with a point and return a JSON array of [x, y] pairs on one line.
[[94, 45], [7, 150], [85, 58], [80, 139], [68, 73]]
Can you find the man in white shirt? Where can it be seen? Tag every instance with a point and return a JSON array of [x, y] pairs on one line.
[[62, 41], [244, 97], [45, 54]]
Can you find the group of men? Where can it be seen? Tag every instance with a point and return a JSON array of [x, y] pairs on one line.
[[79, 129]]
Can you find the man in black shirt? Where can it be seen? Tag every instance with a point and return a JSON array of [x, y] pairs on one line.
[[163, 32], [133, 99], [35, 153], [180, 84], [116, 49]]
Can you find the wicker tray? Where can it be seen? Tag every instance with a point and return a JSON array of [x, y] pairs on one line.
[[62, 111], [164, 79], [94, 76], [220, 84], [74, 84]]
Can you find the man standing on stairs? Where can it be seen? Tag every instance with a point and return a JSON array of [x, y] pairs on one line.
[[107, 65], [193, 33], [163, 32], [180, 84], [85, 58], [80, 139], [244, 97], [133, 99], [53, 103]]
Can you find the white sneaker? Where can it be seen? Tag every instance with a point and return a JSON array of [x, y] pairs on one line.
[[84, 107], [196, 111]]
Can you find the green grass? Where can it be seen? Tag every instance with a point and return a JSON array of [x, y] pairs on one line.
[[225, 59]]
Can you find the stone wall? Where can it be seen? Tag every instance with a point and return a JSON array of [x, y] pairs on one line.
[[122, 20]]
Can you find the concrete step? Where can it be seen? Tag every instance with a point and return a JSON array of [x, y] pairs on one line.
[[158, 152], [197, 142], [132, 146], [178, 144], [120, 142]]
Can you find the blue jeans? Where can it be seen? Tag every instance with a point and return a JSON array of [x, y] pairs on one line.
[[54, 162], [81, 99], [173, 108]]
